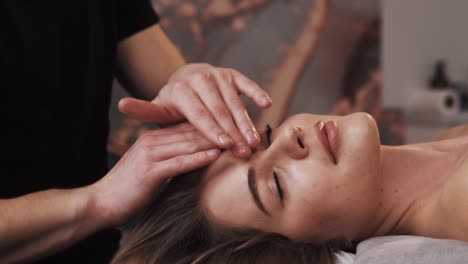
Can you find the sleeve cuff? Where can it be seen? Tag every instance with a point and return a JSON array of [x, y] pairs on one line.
[[134, 16]]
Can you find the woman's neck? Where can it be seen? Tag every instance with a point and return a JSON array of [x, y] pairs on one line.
[[411, 177]]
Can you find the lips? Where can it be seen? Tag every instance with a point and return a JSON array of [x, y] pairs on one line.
[[327, 134]]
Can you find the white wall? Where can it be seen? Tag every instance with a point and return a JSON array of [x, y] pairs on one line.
[[416, 33]]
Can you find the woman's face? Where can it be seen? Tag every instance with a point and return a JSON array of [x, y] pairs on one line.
[[312, 182]]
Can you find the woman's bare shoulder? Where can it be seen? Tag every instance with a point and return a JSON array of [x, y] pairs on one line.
[[454, 132]]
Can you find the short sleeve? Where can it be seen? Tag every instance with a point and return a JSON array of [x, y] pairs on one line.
[[134, 16]]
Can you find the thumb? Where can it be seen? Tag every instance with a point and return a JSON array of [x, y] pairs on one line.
[[146, 111]]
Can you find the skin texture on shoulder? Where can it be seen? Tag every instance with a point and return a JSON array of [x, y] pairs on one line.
[[454, 200]]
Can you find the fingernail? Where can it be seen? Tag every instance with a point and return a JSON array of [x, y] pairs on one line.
[[242, 149], [225, 139], [212, 153], [252, 137], [265, 100]]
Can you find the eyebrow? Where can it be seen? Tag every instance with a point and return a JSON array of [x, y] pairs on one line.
[[251, 179]]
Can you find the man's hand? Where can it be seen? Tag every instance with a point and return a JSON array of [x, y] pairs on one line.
[[41, 223], [208, 98], [154, 158]]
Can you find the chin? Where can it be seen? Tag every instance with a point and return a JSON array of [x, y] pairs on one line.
[[363, 126], [361, 141]]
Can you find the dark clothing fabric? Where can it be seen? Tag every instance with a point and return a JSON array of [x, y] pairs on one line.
[[56, 70]]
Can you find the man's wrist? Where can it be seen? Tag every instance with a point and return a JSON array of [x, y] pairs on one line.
[[89, 210]]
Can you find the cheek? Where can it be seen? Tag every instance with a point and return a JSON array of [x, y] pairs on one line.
[[311, 183], [359, 179], [358, 192], [312, 212], [314, 218]]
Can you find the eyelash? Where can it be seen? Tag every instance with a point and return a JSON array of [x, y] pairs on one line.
[[278, 186], [275, 176]]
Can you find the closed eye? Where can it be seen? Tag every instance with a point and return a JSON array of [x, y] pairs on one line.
[[278, 186]]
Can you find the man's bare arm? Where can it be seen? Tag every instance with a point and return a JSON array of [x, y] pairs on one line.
[[146, 61], [41, 223]]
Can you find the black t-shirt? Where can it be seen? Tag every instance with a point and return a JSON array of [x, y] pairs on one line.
[[56, 68]]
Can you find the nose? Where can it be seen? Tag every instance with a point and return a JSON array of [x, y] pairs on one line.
[[289, 142]]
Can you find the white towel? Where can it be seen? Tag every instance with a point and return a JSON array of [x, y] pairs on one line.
[[343, 257]]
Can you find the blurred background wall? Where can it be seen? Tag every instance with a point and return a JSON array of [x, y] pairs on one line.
[[330, 57], [317, 54], [417, 34]]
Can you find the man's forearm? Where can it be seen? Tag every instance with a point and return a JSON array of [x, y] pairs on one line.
[[41, 223]]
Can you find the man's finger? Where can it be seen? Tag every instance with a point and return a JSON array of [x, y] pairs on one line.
[[237, 108], [170, 130], [208, 91], [250, 89], [145, 111], [184, 147], [185, 163], [172, 141], [192, 137], [190, 105]]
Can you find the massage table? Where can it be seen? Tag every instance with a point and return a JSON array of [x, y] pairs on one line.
[[406, 250]]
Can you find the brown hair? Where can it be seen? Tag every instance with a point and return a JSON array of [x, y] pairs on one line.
[[175, 230]]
